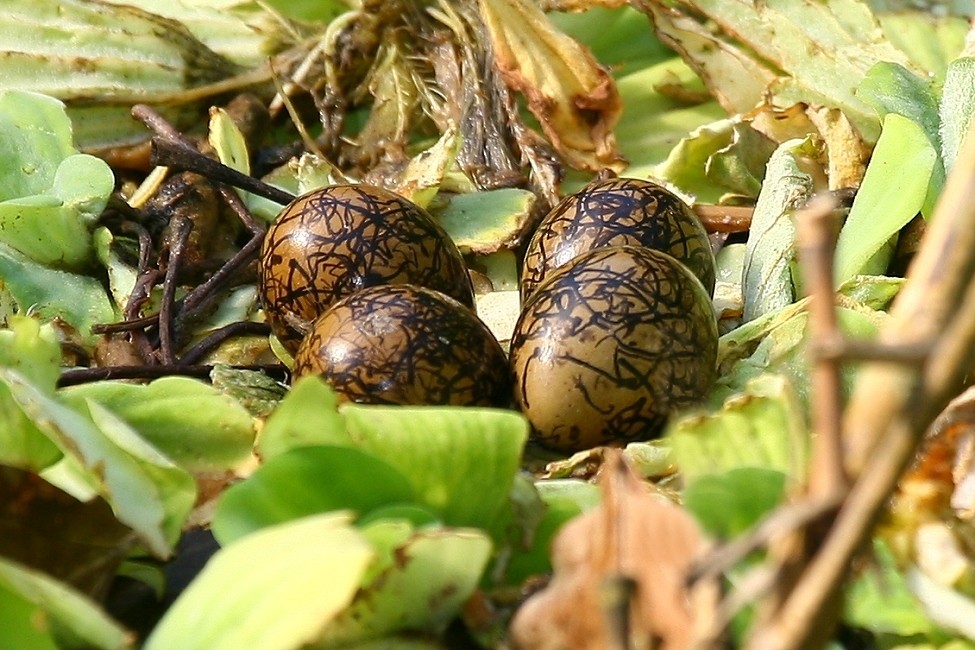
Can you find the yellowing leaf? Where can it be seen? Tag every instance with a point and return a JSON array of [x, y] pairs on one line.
[[575, 100], [275, 589]]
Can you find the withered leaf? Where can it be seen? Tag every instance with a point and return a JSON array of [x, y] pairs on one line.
[[574, 99], [636, 547], [42, 527]]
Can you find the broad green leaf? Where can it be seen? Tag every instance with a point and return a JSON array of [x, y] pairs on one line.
[[780, 347], [762, 427], [723, 157], [794, 50], [50, 193], [483, 222], [33, 350], [880, 600], [892, 88], [308, 415], [617, 37], [189, 421], [460, 461], [275, 589], [686, 164], [653, 123], [147, 492], [252, 389], [872, 291], [563, 500], [767, 281], [420, 587], [78, 300], [733, 75], [417, 516], [931, 41], [729, 503], [306, 481], [319, 10], [905, 159], [957, 106], [40, 613], [36, 138]]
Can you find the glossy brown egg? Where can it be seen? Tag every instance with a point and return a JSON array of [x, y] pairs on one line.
[[610, 345], [404, 344], [618, 212], [342, 238]]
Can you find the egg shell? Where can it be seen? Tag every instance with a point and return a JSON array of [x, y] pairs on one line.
[[609, 346], [618, 212], [404, 344], [339, 239]]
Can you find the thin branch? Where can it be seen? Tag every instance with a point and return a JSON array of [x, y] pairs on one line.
[[86, 375], [817, 242], [181, 232], [779, 522], [172, 153], [215, 338]]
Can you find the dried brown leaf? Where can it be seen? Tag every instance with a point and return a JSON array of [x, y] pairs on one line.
[[42, 527], [573, 97], [624, 561]]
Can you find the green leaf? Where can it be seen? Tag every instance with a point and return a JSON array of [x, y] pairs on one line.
[[189, 421], [40, 612], [308, 481], [892, 88], [880, 600], [78, 300], [228, 142], [50, 193], [419, 586], [33, 350], [460, 461], [931, 41], [723, 157], [957, 106], [308, 415], [905, 159], [770, 251], [36, 138], [729, 503], [274, 589], [653, 124], [483, 222], [762, 427], [146, 491], [563, 500]]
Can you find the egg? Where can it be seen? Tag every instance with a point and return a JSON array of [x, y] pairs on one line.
[[611, 345], [339, 239], [405, 344], [617, 212]]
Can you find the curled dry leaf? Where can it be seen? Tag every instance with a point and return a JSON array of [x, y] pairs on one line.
[[574, 99], [619, 575]]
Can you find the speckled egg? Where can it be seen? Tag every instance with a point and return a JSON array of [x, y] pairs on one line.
[[404, 344], [618, 212], [342, 238], [610, 345]]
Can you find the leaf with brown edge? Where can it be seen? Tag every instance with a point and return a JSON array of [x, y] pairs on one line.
[[626, 560], [574, 99]]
